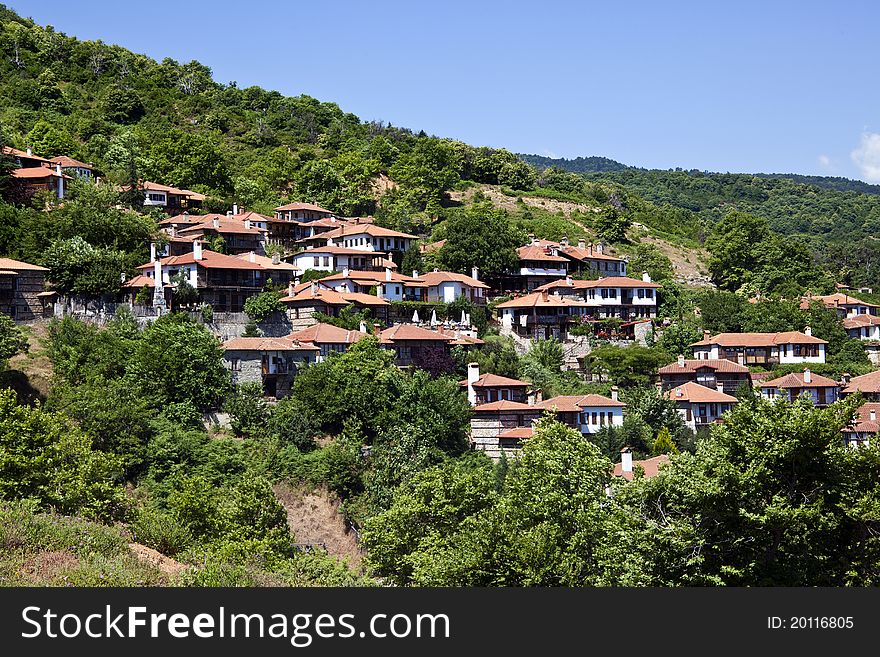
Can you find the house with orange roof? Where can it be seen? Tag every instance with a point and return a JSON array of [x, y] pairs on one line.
[[700, 406], [222, 281], [820, 389], [369, 237], [589, 258], [627, 467], [844, 304], [863, 430], [74, 167], [280, 272], [706, 372], [414, 345], [541, 315], [485, 388], [172, 198], [239, 236], [37, 179], [387, 284], [867, 384], [303, 301], [327, 338], [447, 286], [611, 296], [863, 327], [589, 414], [499, 427], [26, 159], [765, 349], [538, 264], [22, 289], [271, 362], [333, 259]]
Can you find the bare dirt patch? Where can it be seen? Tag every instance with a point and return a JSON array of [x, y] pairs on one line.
[[689, 264], [314, 518], [46, 566], [154, 558], [31, 374]]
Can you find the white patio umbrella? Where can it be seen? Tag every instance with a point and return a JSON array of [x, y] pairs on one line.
[[464, 318], [415, 317], [434, 321]]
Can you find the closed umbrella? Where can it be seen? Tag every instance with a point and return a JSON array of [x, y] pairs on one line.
[[415, 318], [434, 321]]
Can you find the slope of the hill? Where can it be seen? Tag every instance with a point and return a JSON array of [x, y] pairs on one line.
[[592, 164]]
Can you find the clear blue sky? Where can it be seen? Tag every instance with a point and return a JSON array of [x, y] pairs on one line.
[[773, 86]]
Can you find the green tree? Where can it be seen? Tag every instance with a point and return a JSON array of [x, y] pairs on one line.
[[260, 306], [612, 225], [12, 340], [412, 261], [480, 237]]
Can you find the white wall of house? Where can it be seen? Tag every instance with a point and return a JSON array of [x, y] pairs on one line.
[[155, 198], [594, 418], [559, 272], [365, 242], [318, 261], [392, 291], [865, 333], [787, 354], [791, 394], [701, 414]]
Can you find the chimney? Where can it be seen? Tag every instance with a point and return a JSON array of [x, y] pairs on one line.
[[473, 375], [152, 252], [545, 296], [569, 281], [415, 273], [564, 241], [706, 335], [229, 213], [387, 273], [844, 378], [173, 230], [313, 288], [626, 460], [808, 330], [377, 329], [531, 238], [60, 181], [197, 250], [475, 273], [646, 277], [346, 272], [615, 393], [29, 151], [582, 244], [247, 224], [252, 257], [276, 258], [216, 222], [235, 208], [681, 360], [719, 386], [872, 415], [600, 248], [362, 327], [590, 249], [290, 289], [808, 376]]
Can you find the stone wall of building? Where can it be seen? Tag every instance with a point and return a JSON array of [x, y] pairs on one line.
[[25, 304], [485, 429]]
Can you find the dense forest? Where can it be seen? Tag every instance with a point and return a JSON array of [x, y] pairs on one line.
[[577, 165]]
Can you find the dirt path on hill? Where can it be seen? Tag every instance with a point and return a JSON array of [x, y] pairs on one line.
[[151, 557], [314, 518]]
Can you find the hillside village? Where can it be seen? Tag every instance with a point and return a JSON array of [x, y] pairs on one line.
[[251, 340], [577, 294]]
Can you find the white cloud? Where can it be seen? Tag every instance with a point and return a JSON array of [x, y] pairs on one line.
[[825, 161], [867, 156]]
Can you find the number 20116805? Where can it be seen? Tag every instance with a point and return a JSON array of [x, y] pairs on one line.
[[810, 623]]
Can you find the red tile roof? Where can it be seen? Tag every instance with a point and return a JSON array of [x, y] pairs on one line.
[[584, 254], [505, 405], [35, 173], [226, 225], [520, 433], [431, 246], [65, 161], [326, 334], [758, 339], [651, 467], [266, 344], [495, 381], [836, 300], [365, 229], [860, 321], [409, 332], [869, 383], [9, 150], [537, 300], [433, 278], [302, 206], [694, 392], [332, 297], [576, 403], [796, 380], [715, 364], [9, 263], [534, 252], [863, 422], [266, 262], [210, 260]]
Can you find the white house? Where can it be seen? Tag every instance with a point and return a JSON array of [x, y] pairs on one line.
[[863, 327], [790, 347], [844, 304], [700, 406], [611, 296], [385, 284], [822, 390], [587, 413], [447, 286], [369, 237], [338, 258]]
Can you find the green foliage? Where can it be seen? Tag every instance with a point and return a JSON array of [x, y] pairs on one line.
[[678, 336], [260, 306], [412, 261], [45, 458], [612, 225], [482, 237], [496, 356], [12, 340], [649, 258], [77, 267], [247, 408], [626, 366], [178, 360], [294, 422]]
